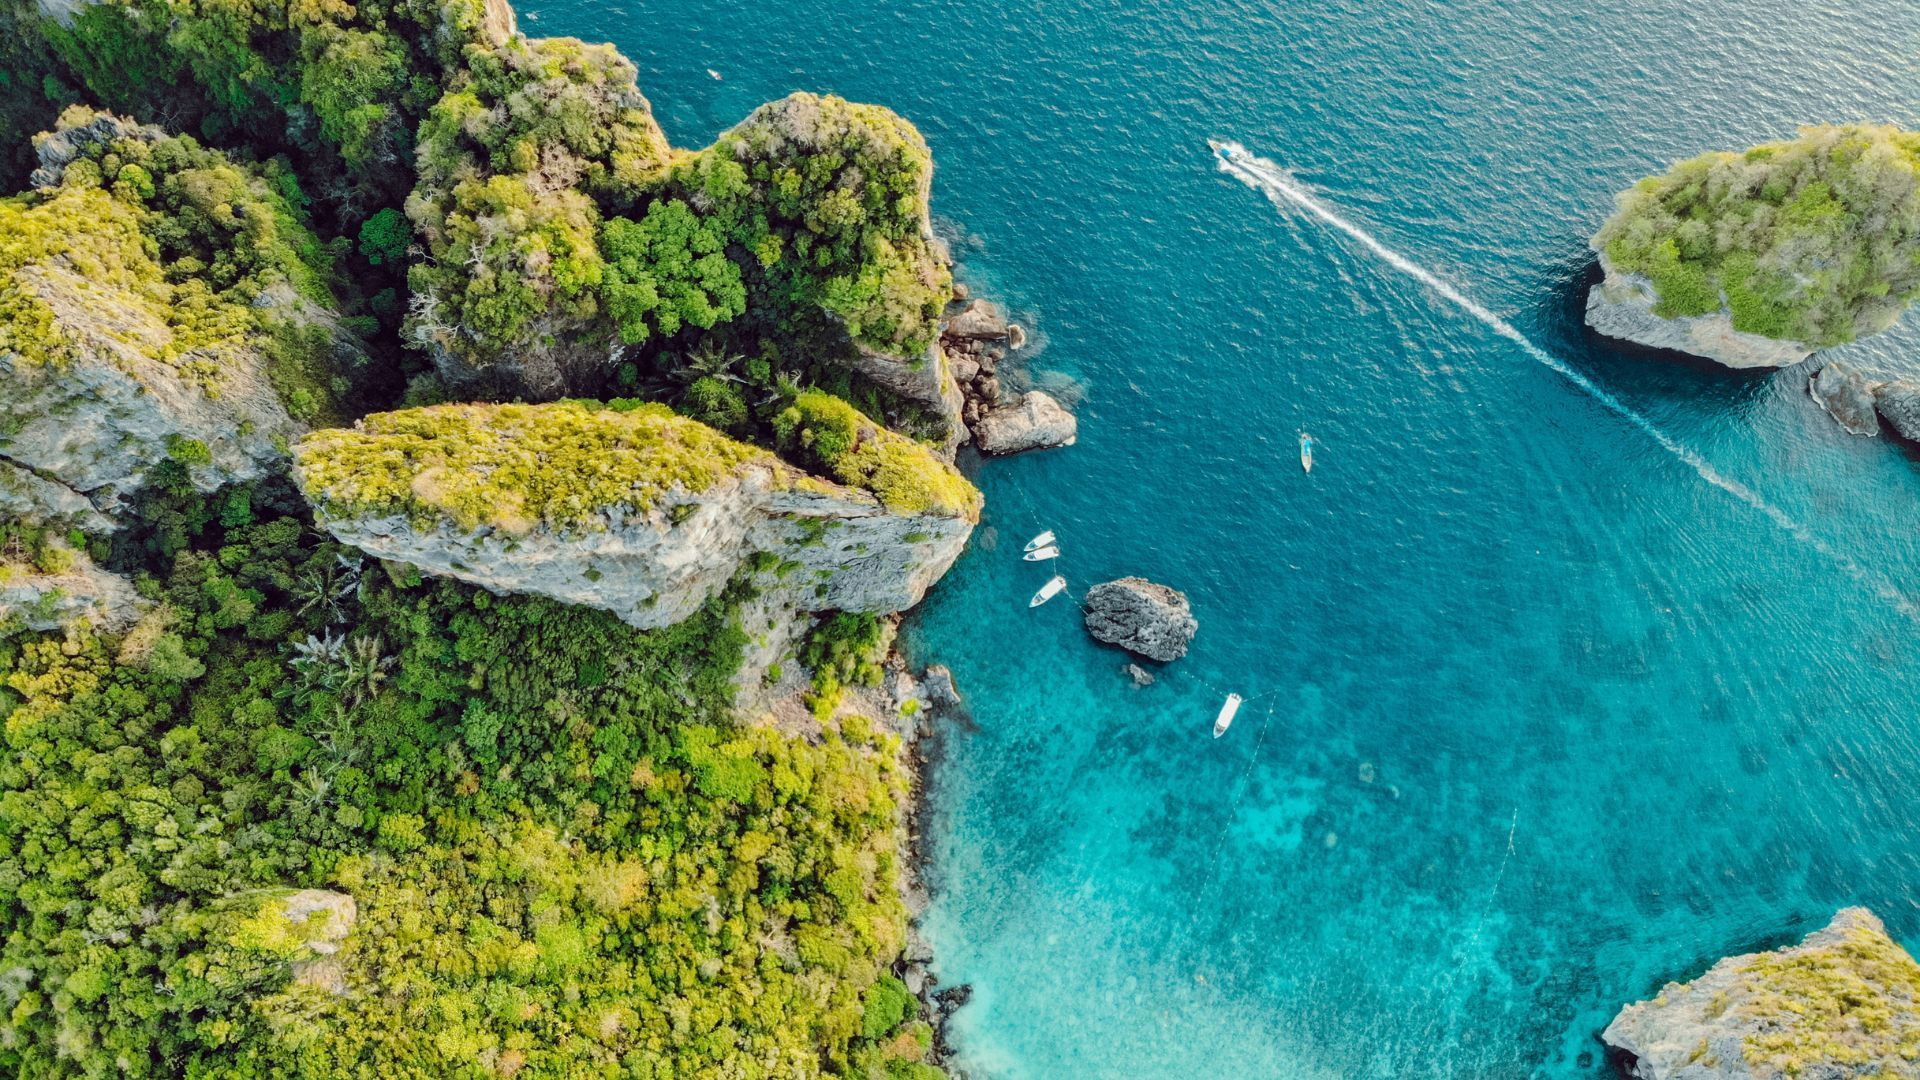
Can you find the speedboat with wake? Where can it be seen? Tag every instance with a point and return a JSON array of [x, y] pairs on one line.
[[1048, 591]]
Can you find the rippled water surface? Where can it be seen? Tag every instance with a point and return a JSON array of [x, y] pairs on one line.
[[1543, 718]]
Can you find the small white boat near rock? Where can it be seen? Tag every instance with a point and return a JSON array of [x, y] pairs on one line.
[[1225, 720], [1048, 591], [1045, 539], [1042, 554]]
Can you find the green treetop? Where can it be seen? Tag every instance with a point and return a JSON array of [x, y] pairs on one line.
[[1816, 239]]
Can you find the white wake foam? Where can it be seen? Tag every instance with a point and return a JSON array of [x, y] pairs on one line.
[[1286, 192]]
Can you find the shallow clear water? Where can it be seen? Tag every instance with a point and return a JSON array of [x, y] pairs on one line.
[[1544, 718]]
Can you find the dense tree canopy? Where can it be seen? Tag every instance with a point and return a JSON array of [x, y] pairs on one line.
[[1816, 239]]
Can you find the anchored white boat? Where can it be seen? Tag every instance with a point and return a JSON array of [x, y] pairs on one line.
[[1043, 540], [1225, 720], [1042, 554], [1048, 591], [1306, 452]]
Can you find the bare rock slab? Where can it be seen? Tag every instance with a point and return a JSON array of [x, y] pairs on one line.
[[1034, 422], [1141, 617]]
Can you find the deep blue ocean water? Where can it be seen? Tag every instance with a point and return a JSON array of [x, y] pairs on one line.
[[1544, 719]]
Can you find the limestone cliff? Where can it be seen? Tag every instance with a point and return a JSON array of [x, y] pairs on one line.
[[112, 363], [1621, 306], [642, 513], [1843, 1003]]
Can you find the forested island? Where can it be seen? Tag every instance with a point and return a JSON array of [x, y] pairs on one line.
[[449, 546]]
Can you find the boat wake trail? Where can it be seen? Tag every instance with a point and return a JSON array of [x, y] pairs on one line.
[[1288, 193]]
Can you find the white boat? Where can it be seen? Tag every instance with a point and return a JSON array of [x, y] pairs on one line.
[[1042, 554], [713, 73], [1306, 452], [1041, 541], [1048, 591], [1225, 720]]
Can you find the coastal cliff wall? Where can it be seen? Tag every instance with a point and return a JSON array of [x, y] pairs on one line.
[[640, 513]]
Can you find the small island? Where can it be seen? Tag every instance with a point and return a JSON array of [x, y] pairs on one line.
[[1757, 259]]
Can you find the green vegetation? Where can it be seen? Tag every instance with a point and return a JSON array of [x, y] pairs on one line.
[[1850, 1003], [512, 467], [568, 856], [1816, 239], [171, 250], [565, 858], [512, 159], [826, 202], [826, 434]]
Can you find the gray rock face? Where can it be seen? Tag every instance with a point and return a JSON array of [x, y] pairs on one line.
[[835, 548], [979, 320], [35, 601], [927, 381], [323, 919], [1622, 307], [1847, 395], [27, 496], [1033, 422], [1141, 617], [1792, 1012], [1898, 402]]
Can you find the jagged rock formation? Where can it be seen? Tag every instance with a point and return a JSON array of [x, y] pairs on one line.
[[1860, 399], [1898, 402], [1847, 394], [1032, 422], [1141, 617], [1843, 1003], [1621, 306], [641, 513]]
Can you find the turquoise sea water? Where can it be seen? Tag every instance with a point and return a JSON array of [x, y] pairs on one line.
[[1545, 718]]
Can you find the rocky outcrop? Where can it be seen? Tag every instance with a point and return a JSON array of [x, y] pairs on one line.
[[977, 320], [1034, 421], [645, 514], [1859, 400], [57, 149], [1621, 306], [1843, 1003], [1898, 402], [33, 600], [927, 381], [322, 919], [28, 496], [1848, 396], [1141, 617]]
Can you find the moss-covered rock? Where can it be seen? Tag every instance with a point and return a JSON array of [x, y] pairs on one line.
[[156, 304], [1843, 1003], [640, 512]]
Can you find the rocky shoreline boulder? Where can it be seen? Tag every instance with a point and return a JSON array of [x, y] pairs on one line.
[[1843, 1004], [1848, 396], [1034, 421], [1141, 617], [1621, 307]]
